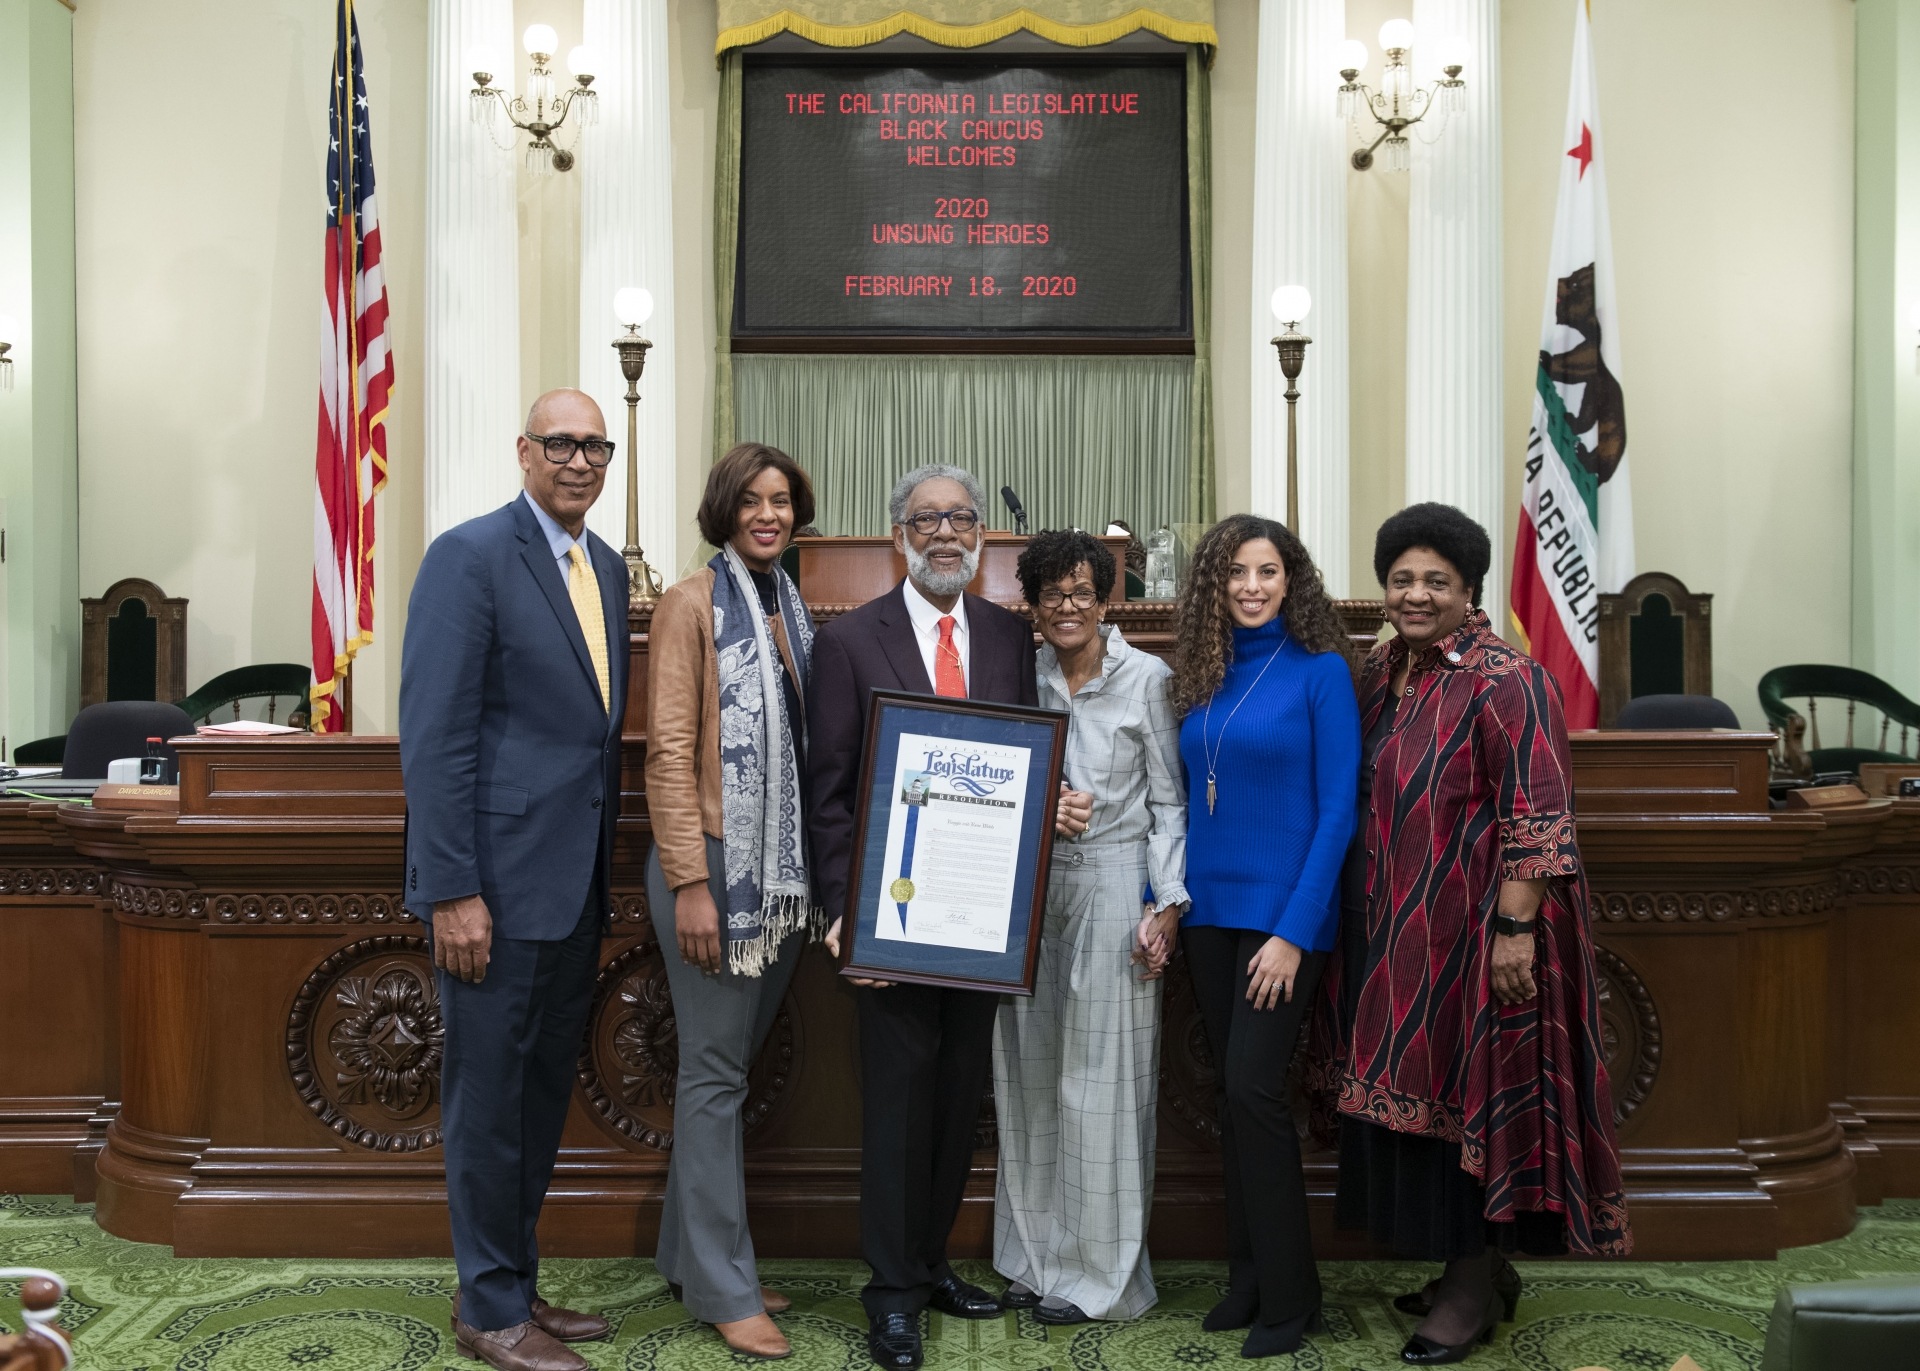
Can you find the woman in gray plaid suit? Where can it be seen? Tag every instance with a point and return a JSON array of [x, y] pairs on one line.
[[1075, 1067]]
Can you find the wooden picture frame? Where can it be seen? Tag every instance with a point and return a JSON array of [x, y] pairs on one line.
[[983, 777]]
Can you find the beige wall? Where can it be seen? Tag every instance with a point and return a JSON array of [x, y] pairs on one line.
[[199, 228], [1733, 256], [1734, 259], [199, 271]]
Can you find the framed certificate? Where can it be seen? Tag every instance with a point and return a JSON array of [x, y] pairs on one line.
[[951, 847]]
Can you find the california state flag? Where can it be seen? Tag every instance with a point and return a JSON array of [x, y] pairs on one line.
[[1576, 512]]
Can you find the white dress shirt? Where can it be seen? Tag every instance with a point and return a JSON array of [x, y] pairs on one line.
[[559, 541], [926, 618]]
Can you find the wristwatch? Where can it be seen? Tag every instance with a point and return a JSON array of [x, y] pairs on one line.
[[1512, 927]]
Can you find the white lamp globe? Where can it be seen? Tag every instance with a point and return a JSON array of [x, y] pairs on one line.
[[1396, 33], [1291, 303], [539, 38], [9, 329], [482, 58], [1350, 56], [583, 61], [633, 305], [1455, 52]]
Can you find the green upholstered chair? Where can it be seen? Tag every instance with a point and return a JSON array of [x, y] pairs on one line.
[[1803, 752], [1845, 1326], [269, 681]]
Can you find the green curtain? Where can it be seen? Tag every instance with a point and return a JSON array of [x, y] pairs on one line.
[[726, 244], [1082, 439], [1199, 505]]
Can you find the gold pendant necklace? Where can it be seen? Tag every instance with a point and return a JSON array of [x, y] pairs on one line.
[[1212, 753]]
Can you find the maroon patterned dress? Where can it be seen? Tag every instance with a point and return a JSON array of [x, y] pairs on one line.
[[1472, 785]]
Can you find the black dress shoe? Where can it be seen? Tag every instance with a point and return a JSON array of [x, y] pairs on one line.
[[1279, 1339], [1424, 1351], [954, 1296], [1018, 1297], [1235, 1311], [1506, 1284], [1061, 1315], [893, 1341]]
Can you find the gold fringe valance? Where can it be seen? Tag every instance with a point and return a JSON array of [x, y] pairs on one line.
[[962, 23]]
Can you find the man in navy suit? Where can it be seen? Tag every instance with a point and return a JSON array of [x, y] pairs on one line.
[[513, 686], [925, 1053]]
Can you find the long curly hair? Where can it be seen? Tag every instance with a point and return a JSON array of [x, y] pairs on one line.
[[1203, 624]]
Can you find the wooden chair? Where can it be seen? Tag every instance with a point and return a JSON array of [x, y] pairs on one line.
[[269, 681], [1656, 638], [1802, 752], [133, 644], [44, 1346]]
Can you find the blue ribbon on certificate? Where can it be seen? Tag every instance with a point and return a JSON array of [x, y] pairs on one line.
[[914, 796]]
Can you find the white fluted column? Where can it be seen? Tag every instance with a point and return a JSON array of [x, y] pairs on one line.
[[1300, 238], [473, 274], [626, 239], [1454, 421]]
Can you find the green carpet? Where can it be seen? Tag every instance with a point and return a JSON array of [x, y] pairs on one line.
[[137, 1308]]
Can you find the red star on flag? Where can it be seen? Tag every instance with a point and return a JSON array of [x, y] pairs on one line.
[[1584, 152]]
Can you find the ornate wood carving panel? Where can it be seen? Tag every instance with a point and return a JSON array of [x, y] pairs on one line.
[[365, 1042]]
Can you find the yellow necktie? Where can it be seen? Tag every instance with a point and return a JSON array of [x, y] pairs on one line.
[[583, 588]]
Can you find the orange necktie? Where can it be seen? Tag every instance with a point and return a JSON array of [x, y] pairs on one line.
[[948, 678]]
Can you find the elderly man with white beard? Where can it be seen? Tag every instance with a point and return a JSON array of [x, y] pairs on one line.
[[926, 1053]]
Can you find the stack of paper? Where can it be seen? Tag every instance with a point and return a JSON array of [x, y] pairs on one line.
[[243, 728]]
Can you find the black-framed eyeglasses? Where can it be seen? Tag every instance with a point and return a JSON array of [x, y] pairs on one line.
[[1082, 598], [927, 522], [559, 448]]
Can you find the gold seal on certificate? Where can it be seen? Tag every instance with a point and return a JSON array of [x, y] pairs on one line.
[[901, 890]]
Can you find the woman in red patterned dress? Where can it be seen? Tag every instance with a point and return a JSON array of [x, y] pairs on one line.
[[1459, 1041]]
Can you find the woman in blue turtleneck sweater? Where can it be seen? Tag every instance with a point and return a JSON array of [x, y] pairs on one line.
[[1271, 742]]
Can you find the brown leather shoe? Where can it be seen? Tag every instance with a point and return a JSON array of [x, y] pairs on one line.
[[758, 1337], [523, 1347], [569, 1325], [771, 1300]]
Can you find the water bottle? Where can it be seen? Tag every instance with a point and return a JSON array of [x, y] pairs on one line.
[[153, 766], [1159, 577]]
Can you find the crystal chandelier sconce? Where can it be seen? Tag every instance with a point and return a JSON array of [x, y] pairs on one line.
[[9, 330], [1398, 105], [543, 109]]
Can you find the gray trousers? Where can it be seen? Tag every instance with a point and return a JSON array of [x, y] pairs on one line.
[[722, 1020]]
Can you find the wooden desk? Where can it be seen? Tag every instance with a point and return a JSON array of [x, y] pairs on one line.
[[253, 946]]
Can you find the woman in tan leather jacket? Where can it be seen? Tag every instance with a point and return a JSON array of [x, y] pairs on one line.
[[727, 882]]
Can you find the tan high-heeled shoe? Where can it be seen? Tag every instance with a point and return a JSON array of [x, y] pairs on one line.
[[758, 1337]]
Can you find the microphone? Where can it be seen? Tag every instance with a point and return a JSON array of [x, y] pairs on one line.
[[1015, 508]]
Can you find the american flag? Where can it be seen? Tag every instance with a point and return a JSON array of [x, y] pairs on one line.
[[356, 381]]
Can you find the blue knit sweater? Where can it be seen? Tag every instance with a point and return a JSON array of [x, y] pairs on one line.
[[1286, 775]]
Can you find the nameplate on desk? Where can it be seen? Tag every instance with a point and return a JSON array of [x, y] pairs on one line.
[[115, 795]]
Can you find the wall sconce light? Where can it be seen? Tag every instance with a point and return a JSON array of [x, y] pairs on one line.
[[633, 306], [1290, 306], [544, 108], [1397, 106], [9, 330]]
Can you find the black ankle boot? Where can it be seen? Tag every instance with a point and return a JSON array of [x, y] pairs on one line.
[[1235, 1311], [1279, 1339]]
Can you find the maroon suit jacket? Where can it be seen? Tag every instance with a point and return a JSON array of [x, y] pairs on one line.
[[873, 648]]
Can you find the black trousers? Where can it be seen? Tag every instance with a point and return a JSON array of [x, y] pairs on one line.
[[926, 1055], [512, 1040], [1269, 1248]]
